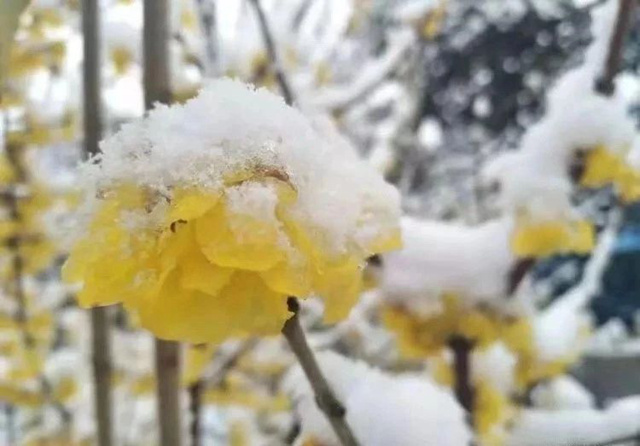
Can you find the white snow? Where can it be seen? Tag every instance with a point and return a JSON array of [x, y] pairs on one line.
[[382, 409], [560, 330], [446, 257], [536, 427], [535, 178], [562, 393]]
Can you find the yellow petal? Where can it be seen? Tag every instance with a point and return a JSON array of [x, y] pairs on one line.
[[548, 238], [601, 168], [244, 306], [339, 285], [197, 357], [289, 277], [252, 245], [188, 205], [198, 274]]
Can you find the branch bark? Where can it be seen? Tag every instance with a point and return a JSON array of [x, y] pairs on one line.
[[462, 348], [269, 43], [605, 85], [167, 365], [157, 88], [325, 398], [101, 343], [195, 407]]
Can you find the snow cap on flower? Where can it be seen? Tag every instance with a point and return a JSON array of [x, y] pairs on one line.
[[442, 258], [381, 409], [204, 217]]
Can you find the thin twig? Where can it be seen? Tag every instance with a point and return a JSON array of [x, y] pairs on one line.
[[157, 88], [283, 82], [167, 366], [462, 348], [224, 363], [100, 336], [195, 407], [605, 85], [208, 23], [325, 398]]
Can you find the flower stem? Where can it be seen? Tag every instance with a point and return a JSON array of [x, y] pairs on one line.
[[101, 345], [325, 398], [167, 358], [462, 348], [195, 407], [267, 36], [606, 83]]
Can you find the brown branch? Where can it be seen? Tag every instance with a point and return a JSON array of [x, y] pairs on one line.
[[100, 336], [605, 85], [325, 398], [167, 366], [226, 363], [518, 272], [157, 88], [462, 348], [195, 408], [283, 82]]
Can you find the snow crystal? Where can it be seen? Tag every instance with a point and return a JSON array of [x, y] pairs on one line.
[[382, 409]]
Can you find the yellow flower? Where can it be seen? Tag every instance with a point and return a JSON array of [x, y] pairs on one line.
[[530, 369], [543, 239], [419, 337], [197, 358], [207, 271], [492, 411], [604, 167]]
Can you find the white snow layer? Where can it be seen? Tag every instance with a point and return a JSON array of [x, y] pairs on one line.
[[560, 330], [382, 409], [444, 257], [231, 128], [535, 177], [562, 393], [535, 427]]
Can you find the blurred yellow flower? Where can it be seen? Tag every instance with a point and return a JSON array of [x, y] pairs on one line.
[[420, 337], [543, 239]]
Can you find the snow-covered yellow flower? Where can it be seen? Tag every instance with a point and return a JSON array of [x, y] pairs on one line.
[[419, 337], [604, 167], [546, 238], [492, 411], [530, 368], [204, 232]]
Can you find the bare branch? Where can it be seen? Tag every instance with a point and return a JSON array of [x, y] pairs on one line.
[[325, 398], [606, 83], [283, 82]]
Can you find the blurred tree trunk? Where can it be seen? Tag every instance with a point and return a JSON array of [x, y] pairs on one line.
[[157, 88], [101, 345]]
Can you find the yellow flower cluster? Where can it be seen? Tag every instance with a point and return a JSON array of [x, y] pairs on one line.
[[207, 271], [492, 411], [419, 337], [543, 239], [604, 167], [530, 368]]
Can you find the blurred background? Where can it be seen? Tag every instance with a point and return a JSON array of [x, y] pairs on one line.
[[427, 91]]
